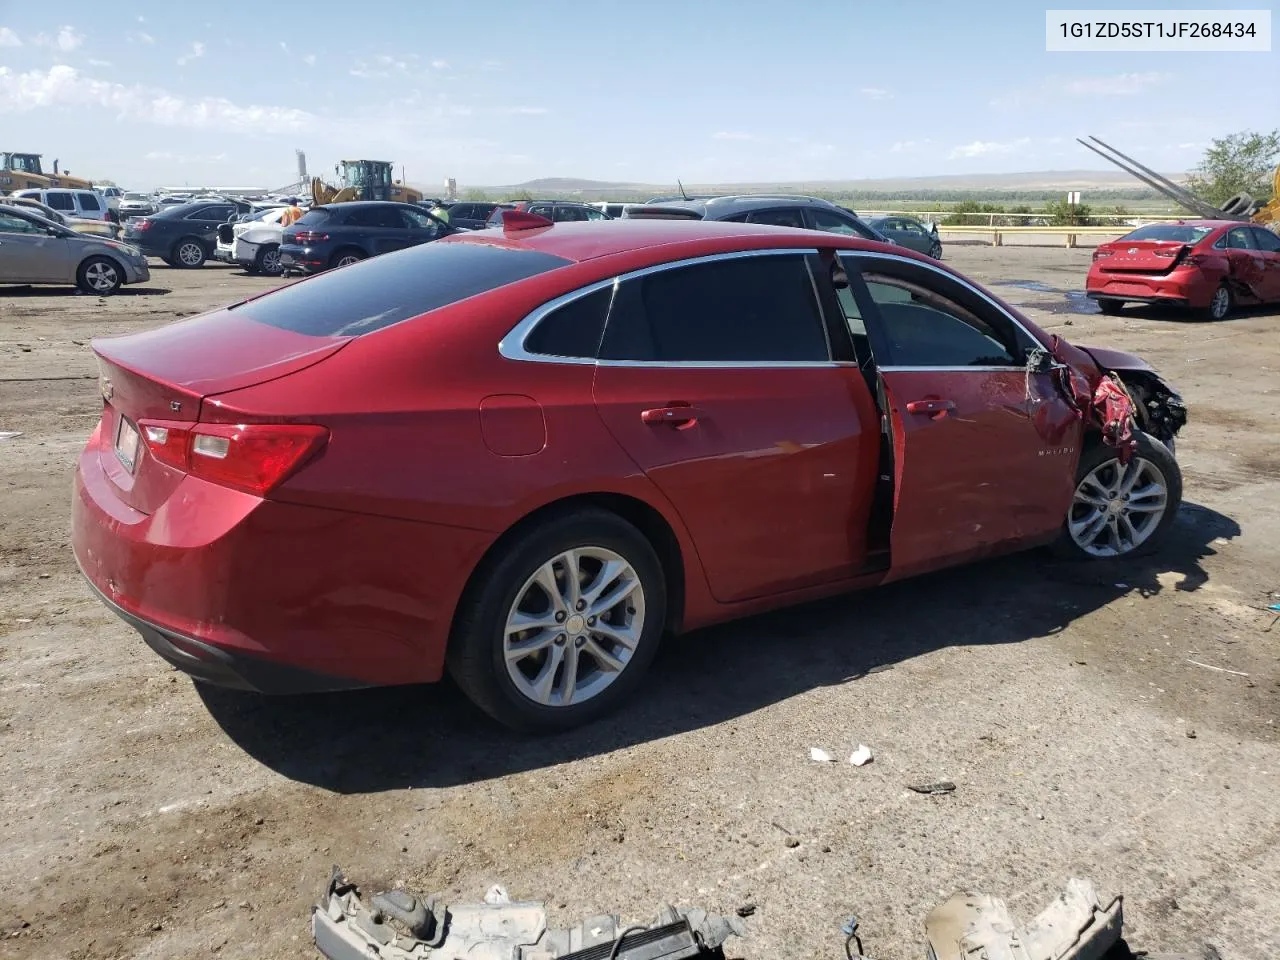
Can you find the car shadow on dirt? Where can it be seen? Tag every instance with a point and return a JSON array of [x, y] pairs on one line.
[[430, 736], [59, 291]]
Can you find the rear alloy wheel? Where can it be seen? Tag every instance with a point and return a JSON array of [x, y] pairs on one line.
[[188, 254], [344, 258], [99, 275], [562, 628], [1221, 304], [1121, 509], [1110, 307], [268, 261]]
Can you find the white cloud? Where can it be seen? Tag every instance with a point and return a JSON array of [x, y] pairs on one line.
[[8, 38], [167, 156], [68, 39], [284, 46], [525, 111], [982, 148], [1122, 84], [146, 38], [309, 59], [197, 51], [909, 146], [732, 135], [875, 93], [99, 63], [440, 64], [141, 18], [64, 86]]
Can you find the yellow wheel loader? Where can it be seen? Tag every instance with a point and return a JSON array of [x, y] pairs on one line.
[[363, 180], [22, 171]]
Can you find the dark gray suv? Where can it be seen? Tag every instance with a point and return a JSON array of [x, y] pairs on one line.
[[782, 211]]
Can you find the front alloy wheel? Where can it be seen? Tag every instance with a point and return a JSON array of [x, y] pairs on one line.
[[1117, 508], [574, 626]]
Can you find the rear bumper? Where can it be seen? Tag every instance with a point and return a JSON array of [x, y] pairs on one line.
[[209, 664], [1185, 287], [272, 596], [304, 259]]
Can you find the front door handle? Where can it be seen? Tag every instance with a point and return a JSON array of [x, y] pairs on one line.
[[682, 416], [935, 408]]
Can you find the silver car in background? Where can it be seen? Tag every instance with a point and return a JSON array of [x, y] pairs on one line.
[[36, 250]]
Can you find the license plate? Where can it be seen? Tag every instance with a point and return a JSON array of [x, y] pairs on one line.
[[127, 444]]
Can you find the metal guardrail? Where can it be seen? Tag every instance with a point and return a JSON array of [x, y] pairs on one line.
[[991, 217], [1070, 232]]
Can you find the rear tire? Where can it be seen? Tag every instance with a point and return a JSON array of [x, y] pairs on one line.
[[1121, 511], [1110, 307], [346, 257], [522, 692], [188, 254], [1221, 305], [100, 275], [267, 262]]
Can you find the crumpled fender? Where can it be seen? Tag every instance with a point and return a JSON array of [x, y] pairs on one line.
[[1095, 395]]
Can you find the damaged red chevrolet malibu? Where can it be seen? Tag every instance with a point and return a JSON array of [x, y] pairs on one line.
[[526, 455]]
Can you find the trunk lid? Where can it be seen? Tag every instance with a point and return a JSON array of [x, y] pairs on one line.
[[1142, 256], [165, 374]]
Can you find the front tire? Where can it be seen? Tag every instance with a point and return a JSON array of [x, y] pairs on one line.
[[935, 251], [560, 628], [189, 253], [100, 275], [1120, 510]]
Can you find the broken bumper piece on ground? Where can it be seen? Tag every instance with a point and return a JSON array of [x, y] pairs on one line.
[[1076, 926], [398, 925]]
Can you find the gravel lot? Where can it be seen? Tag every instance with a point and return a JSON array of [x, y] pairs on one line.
[[143, 817]]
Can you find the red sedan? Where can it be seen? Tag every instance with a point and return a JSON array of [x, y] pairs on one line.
[[527, 454], [1205, 265]]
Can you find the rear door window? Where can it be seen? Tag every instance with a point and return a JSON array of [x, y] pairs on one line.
[[61, 200], [89, 202], [388, 289], [1241, 238], [831, 222], [743, 309], [213, 213]]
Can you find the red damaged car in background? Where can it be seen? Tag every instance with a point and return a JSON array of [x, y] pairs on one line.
[[524, 455], [1208, 266]]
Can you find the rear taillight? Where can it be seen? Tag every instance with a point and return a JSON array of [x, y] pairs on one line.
[[1192, 260], [143, 224], [1100, 253], [1167, 253], [253, 457], [309, 236]]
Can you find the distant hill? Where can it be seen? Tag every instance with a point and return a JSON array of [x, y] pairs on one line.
[[1045, 182]]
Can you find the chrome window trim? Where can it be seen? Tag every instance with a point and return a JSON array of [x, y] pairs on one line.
[[512, 346], [876, 255], [951, 368]]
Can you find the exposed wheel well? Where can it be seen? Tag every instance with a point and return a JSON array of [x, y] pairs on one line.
[[639, 514]]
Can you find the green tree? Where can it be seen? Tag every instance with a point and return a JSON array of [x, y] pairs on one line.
[[1240, 162], [477, 195], [519, 195], [1061, 214]]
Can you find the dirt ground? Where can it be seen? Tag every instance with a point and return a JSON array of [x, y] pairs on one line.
[[141, 816]]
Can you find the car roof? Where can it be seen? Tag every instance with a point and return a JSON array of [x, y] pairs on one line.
[[579, 241], [720, 206]]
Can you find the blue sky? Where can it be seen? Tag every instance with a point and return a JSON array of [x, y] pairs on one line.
[[501, 92]]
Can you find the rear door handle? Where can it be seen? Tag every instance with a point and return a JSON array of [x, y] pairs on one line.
[[682, 416], [932, 407]]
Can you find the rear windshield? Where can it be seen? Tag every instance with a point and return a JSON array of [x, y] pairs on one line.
[[1173, 232], [374, 294], [313, 217]]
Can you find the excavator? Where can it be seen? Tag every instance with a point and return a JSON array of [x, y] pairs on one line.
[[363, 180], [22, 171], [1242, 206]]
